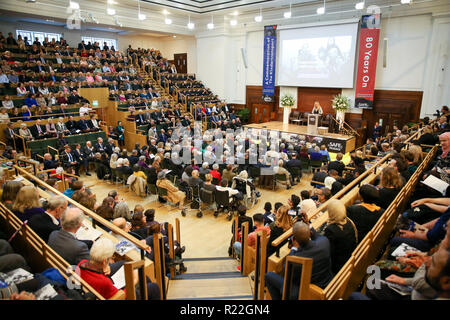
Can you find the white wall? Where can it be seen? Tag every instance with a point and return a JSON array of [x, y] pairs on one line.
[[171, 46]]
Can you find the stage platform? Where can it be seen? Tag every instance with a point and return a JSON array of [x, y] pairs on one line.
[[334, 142]]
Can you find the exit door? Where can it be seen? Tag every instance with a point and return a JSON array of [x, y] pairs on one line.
[[180, 61]]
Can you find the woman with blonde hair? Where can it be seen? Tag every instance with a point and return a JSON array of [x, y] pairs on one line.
[[27, 203], [418, 154], [342, 234], [390, 184], [283, 222]]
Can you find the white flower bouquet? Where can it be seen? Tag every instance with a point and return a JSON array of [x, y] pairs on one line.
[[287, 100], [340, 103]]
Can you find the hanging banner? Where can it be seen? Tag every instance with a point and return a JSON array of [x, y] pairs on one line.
[[270, 55], [367, 60]]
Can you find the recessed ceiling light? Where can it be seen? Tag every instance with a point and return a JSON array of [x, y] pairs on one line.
[[321, 10], [405, 1], [141, 16], [233, 22], [210, 26], [235, 13], [287, 14], [111, 11], [168, 21], [111, 2], [166, 12]]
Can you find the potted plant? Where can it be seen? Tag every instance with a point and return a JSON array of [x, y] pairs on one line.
[[341, 104], [244, 115]]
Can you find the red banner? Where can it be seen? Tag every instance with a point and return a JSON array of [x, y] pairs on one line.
[[367, 63]]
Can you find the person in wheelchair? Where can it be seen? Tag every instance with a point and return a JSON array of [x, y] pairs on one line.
[[244, 185]]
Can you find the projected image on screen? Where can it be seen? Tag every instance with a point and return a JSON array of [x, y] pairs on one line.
[[315, 59]]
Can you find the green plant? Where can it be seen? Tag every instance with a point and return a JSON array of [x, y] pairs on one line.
[[244, 114], [340, 102], [287, 100]]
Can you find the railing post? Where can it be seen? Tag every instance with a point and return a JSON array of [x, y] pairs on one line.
[[244, 234], [257, 266], [263, 264]]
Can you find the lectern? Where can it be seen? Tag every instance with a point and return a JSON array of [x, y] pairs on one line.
[[313, 120]]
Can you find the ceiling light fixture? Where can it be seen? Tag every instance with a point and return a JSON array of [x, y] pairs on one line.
[[233, 22], [190, 24], [141, 16], [405, 1], [259, 18], [168, 21], [235, 13], [74, 5], [321, 10], [359, 5], [288, 14], [210, 25], [110, 11]]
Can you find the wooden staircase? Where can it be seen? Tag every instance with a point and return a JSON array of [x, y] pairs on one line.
[[214, 278]]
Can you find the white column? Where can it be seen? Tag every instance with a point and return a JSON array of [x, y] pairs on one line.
[[286, 113]]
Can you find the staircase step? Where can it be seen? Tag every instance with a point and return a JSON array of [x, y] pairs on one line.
[[209, 288], [209, 275]]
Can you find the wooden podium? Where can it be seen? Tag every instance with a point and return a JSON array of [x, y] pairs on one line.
[[313, 121]]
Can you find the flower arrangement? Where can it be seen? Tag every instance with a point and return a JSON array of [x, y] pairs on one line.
[[340, 103], [287, 100]]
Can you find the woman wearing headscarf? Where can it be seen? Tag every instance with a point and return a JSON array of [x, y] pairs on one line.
[[173, 193], [341, 232]]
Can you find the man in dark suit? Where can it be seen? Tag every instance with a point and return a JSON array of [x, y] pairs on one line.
[[337, 165], [64, 242], [44, 224], [9, 135], [37, 130], [72, 125], [306, 243], [109, 148], [177, 112], [162, 137], [294, 163], [49, 163], [140, 118], [83, 124], [99, 146], [69, 160]]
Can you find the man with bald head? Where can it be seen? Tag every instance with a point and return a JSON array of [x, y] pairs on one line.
[[64, 241], [307, 243]]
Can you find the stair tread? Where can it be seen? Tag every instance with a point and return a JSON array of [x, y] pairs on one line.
[[203, 288]]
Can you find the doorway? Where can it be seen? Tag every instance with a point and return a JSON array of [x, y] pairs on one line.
[[180, 62]]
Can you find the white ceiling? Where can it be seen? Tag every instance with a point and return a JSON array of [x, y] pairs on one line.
[[201, 12]]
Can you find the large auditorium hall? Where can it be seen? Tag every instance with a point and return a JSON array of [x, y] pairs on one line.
[[217, 156]]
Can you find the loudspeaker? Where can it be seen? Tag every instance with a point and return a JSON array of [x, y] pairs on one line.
[[385, 48], [244, 58]]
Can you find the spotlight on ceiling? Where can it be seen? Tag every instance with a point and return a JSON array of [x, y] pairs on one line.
[[405, 1], [110, 11], [233, 22], [321, 10], [287, 14], [141, 16], [168, 21]]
